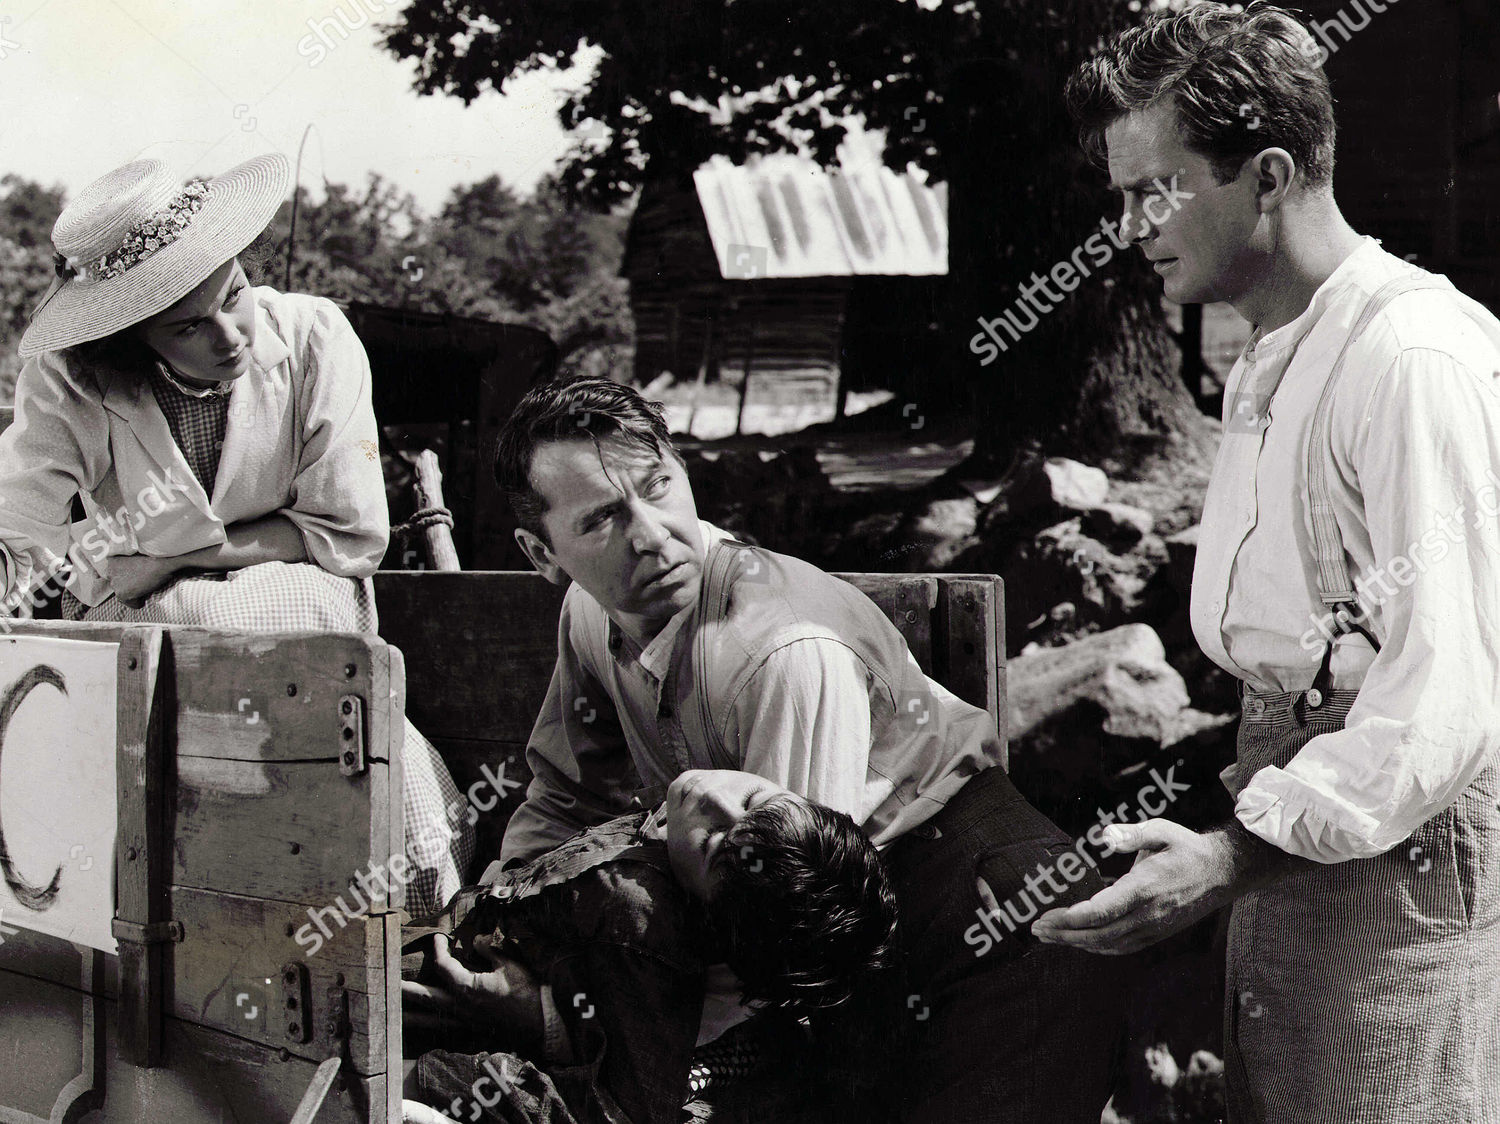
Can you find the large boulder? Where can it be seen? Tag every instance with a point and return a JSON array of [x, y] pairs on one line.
[[1123, 672], [1085, 720]]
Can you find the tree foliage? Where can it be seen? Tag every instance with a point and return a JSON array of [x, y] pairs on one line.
[[969, 90], [488, 253]]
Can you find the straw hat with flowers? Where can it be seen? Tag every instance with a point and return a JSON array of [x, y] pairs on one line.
[[137, 240]]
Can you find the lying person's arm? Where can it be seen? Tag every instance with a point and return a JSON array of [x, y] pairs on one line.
[[625, 981], [506, 997]]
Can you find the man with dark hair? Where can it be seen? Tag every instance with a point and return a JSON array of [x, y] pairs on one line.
[[1361, 431], [579, 978], [679, 648]]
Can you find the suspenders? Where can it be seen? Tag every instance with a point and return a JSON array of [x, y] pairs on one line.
[[1335, 588]]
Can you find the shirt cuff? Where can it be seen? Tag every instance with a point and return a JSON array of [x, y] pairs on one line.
[[557, 1045], [1301, 820]]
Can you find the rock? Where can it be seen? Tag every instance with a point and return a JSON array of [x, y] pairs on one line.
[[1074, 485], [1182, 553], [1060, 564], [1118, 526], [1123, 672], [937, 533], [1036, 491]]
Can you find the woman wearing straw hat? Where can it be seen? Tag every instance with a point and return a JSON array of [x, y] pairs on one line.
[[220, 439]]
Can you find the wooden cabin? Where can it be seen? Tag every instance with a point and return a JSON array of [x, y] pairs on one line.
[[783, 269]]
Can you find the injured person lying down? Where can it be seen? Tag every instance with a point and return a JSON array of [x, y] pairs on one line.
[[572, 988]]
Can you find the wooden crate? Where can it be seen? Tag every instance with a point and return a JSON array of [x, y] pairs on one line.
[[257, 825]]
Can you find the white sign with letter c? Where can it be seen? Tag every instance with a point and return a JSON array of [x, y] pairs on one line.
[[58, 809]]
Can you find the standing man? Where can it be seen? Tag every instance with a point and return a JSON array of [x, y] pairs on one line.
[[680, 649], [1361, 436]]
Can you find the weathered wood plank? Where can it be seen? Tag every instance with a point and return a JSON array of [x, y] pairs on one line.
[[142, 864], [270, 696], [233, 945], [973, 655], [291, 831], [492, 779], [210, 1076], [909, 601], [480, 648]]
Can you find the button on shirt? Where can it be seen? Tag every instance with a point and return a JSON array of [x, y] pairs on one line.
[[1414, 452]]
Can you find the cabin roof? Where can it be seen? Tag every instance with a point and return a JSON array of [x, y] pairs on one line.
[[785, 216]]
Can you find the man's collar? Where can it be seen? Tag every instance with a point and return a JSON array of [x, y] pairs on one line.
[[1291, 335], [656, 656]]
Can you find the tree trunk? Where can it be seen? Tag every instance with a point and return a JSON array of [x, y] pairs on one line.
[[1097, 377]]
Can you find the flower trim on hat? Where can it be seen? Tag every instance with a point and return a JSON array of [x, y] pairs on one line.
[[148, 236]]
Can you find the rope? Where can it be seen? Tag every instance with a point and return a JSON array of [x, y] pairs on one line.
[[421, 520]]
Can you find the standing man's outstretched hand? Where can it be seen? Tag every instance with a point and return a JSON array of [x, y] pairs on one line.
[[1179, 876]]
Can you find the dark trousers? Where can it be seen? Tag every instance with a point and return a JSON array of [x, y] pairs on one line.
[[1017, 1031]]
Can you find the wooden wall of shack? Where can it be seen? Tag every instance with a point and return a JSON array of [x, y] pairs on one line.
[[872, 331]]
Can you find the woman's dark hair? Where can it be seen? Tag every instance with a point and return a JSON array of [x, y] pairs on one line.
[[126, 351], [569, 409], [803, 904], [1241, 81]]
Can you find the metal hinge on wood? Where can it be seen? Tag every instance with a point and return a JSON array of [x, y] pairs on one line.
[[160, 932], [296, 1001], [337, 1021], [351, 735]]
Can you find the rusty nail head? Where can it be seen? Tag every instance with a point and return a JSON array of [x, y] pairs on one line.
[[130, 663], [130, 854], [349, 670], [291, 690]]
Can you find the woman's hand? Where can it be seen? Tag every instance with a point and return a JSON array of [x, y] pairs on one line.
[[134, 577]]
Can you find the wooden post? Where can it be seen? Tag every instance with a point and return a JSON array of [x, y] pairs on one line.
[[439, 537], [708, 354], [143, 859], [739, 418]]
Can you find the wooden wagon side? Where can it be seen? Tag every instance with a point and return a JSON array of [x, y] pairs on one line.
[[480, 648], [269, 776]]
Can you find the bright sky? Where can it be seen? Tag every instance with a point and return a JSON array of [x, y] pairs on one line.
[[87, 85]]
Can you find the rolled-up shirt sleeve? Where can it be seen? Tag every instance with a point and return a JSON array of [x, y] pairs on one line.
[[337, 497], [1427, 718], [51, 452], [803, 721]]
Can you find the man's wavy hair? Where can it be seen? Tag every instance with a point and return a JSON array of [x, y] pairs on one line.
[[571, 409], [803, 904], [1241, 81]]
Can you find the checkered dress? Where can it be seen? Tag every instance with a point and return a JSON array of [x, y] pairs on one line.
[[299, 597]]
